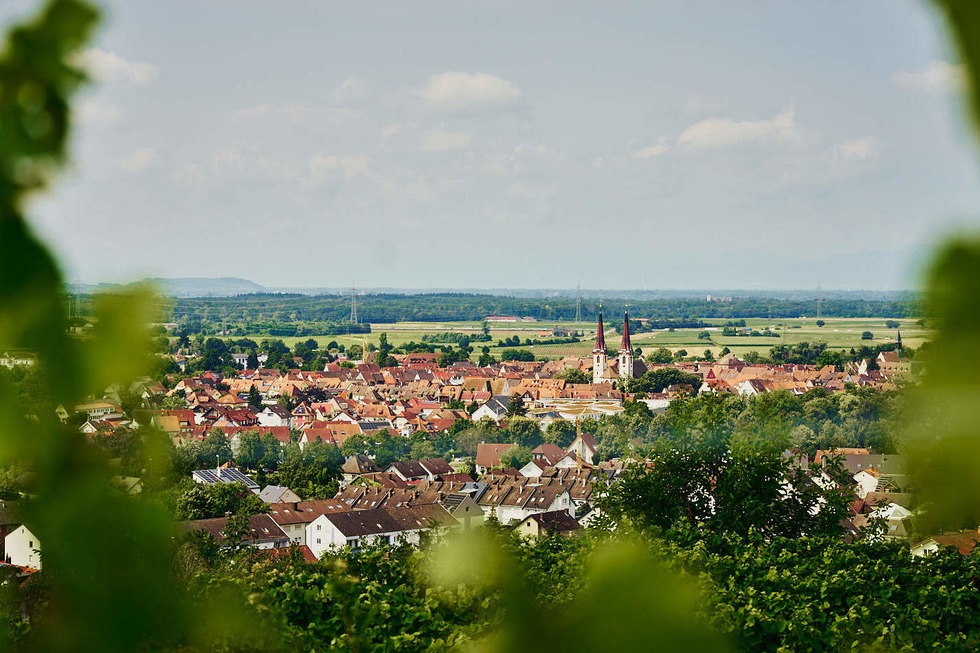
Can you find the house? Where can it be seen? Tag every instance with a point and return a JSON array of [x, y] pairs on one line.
[[488, 455], [512, 501], [9, 521], [97, 410], [22, 548], [416, 470], [381, 525], [464, 508], [495, 408], [964, 542], [358, 465], [278, 494], [263, 532], [584, 446], [541, 524], [293, 517], [275, 416], [544, 456]]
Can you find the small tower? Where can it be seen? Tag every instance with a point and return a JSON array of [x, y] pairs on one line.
[[599, 362], [626, 349]]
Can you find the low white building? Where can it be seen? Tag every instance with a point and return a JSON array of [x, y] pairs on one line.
[[22, 548], [381, 525]]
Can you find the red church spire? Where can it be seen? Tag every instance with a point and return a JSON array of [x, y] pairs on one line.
[[627, 345], [600, 336]]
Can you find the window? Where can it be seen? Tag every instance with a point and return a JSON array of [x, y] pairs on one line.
[[318, 540]]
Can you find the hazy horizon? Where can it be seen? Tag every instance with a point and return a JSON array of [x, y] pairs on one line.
[[518, 146]]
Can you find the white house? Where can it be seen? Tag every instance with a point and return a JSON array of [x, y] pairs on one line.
[[274, 416], [278, 494], [867, 481], [512, 503], [363, 527], [23, 548], [584, 446], [495, 408]]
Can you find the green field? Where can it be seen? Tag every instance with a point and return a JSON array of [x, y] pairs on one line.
[[838, 333]]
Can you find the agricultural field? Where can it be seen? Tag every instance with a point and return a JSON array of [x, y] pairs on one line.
[[838, 333]]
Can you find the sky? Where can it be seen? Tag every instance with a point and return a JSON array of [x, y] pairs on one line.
[[756, 145]]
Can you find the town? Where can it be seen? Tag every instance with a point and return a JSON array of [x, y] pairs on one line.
[[423, 445]]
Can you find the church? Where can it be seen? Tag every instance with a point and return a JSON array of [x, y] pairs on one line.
[[624, 366]]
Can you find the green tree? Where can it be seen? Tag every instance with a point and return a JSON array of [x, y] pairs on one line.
[[516, 457], [658, 380], [516, 407], [574, 375], [251, 449], [524, 432], [254, 398], [560, 432]]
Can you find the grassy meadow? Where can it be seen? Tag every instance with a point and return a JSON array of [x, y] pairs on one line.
[[838, 333]]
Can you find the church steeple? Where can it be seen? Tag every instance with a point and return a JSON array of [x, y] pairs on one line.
[[599, 362], [600, 335], [627, 345], [626, 349], [899, 343]]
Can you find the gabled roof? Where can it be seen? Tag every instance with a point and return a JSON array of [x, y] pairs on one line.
[[488, 455], [262, 529], [390, 520], [549, 453], [360, 464], [556, 521], [303, 512]]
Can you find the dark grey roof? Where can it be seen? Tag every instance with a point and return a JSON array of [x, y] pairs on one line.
[[556, 521], [263, 528], [410, 469], [389, 520]]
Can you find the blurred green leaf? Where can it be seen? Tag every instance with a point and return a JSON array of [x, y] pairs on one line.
[[963, 18]]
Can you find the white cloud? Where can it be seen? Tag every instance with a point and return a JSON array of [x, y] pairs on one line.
[[225, 158], [349, 90], [325, 167], [649, 152], [444, 141], [393, 129], [138, 160], [297, 113], [91, 112], [937, 77], [859, 149], [722, 132], [108, 67], [191, 173], [453, 91]]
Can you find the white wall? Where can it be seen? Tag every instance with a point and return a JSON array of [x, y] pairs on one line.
[[23, 548]]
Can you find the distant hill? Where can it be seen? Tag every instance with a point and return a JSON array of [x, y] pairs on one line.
[[187, 287]]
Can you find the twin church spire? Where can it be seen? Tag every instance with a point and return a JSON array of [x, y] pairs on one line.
[[600, 362]]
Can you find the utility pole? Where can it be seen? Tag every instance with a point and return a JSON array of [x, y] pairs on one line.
[[353, 305], [819, 300]]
